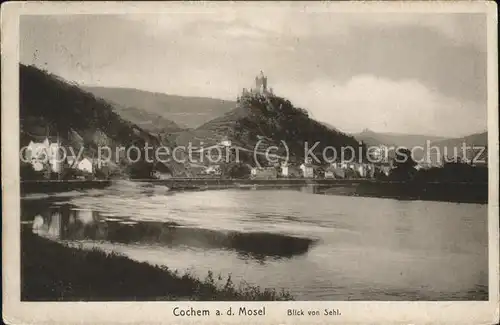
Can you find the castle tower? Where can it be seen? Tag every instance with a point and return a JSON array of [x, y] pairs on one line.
[[261, 83]]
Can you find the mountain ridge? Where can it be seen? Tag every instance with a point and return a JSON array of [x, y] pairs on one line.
[[479, 138], [186, 112], [270, 121], [373, 138], [51, 106], [476, 146]]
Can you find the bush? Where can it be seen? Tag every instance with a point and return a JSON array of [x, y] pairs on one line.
[[238, 170], [27, 172], [51, 271]]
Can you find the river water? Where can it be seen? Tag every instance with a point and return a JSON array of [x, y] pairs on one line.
[[318, 247]]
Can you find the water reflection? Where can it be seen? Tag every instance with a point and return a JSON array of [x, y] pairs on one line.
[[69, 223], [319, 246], [64, 223]]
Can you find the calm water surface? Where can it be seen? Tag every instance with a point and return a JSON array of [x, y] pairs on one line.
[[319, 247]]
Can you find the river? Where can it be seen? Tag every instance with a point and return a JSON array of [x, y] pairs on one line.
[[318, 247]]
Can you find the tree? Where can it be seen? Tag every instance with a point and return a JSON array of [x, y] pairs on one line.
[[403, 165], [453, 172], [237, 170], [319, 172], [27, 172], [102, 173], [141, 170]]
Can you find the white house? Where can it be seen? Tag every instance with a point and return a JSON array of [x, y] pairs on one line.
[[213, 170], [362, 170], [225, 142], [284, 169], [85, 165], [264, 172], [34, 154], [330, 172], [379, 153], [307, 170], [41, 153]]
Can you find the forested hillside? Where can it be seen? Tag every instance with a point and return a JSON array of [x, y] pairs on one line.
[[51, 106]]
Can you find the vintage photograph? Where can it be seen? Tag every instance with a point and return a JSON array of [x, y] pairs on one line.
[[254, 153], [106, 224]]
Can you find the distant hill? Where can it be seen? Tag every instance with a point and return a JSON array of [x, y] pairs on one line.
[[185, 112], [446, 146], [268, 122], [51, 106], [372, 138], [449, 146], [148, 121], [478, 139]]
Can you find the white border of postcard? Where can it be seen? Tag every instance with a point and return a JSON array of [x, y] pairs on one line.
[[17, 312]]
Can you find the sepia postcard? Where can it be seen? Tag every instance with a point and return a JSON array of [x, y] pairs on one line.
[[250, 162]]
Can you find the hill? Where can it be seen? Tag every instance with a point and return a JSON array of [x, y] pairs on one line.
[[372, 138], [51, 106], [150, 122], [270, 121], [434, 147], [185, 112], [478, 139], [449, 146]]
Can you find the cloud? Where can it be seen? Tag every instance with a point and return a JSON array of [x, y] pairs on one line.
[[446, 51], [407, 106], [291, 20], [321, 60]]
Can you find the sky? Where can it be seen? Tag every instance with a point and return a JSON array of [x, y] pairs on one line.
[[387, 72]]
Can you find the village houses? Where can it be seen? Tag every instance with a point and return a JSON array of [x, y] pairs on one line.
[[40, 154], [284, 169], [52, 157], [307, 169], [264, 172]]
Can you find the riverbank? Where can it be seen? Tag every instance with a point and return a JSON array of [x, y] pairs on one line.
[[52, 186], [407, 191], [458, 192], [51, 271]]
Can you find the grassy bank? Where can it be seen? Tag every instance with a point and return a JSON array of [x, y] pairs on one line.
[[459, 192], [53, 272], [52, 186]]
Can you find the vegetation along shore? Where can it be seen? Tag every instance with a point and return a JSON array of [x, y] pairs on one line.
[[53, 271], [459, 192]]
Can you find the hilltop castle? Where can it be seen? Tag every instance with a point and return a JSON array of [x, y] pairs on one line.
[[260, 87]]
